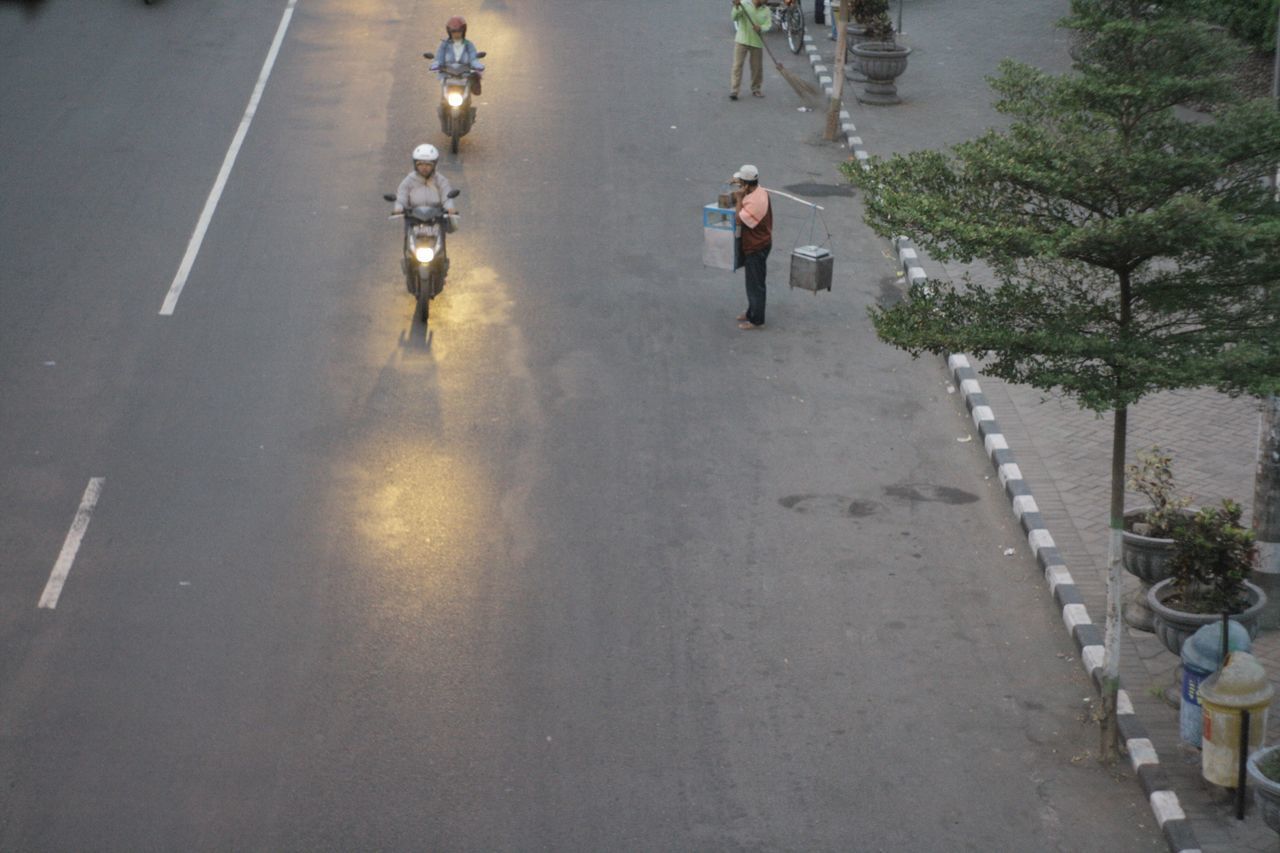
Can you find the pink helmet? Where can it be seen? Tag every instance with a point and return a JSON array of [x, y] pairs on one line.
[[457, 22]]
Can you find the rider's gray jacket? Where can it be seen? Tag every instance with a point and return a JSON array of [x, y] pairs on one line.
[[416, 191]]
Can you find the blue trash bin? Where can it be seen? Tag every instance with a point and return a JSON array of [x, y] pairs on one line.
[[1201, 657]]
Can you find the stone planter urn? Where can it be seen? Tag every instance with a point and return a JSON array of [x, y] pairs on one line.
[[1173, 627], [1266, 792], [882, 62], [1147, 558], [855, 34]]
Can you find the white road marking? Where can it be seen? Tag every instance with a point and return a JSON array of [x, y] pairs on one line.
[[211, 203], [58, 577]]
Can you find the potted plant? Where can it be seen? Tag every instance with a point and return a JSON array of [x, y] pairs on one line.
[[855, 32], [871, 20], [1146, 544], [880, 58], [1264, 771], [1213, 557]]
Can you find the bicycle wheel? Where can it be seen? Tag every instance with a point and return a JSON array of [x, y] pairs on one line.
[[795, 27]]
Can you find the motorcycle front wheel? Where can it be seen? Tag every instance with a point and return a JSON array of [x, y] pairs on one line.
[[423, 310]]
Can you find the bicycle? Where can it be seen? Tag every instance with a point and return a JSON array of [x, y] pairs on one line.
[[788, 16]]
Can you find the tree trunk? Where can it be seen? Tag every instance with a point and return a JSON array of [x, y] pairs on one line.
[[1266, 489], [837, 85], [1110, 729]]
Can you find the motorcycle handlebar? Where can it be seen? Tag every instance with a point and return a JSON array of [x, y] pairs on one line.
[[452, 194], [454, 214]]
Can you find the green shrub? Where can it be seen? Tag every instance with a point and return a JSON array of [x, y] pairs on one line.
[[1251, 21], [1152, 478], [1214, 555], [874, 16]]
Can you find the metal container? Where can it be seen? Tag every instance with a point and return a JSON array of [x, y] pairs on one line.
[[718, 226], [811, 268]]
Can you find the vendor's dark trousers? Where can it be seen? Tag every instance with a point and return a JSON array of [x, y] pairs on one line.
[[755, 265]]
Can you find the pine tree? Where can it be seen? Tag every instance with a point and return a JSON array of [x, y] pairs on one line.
[[1127, 220]]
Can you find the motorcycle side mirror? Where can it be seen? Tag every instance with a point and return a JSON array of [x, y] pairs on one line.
[[428, 56], [388, 197], [481, 55], [450, 194]]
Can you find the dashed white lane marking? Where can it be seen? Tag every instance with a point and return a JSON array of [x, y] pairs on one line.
[[211, 203], [61, 568]]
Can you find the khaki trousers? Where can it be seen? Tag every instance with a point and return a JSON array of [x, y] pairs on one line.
[[740, 53]]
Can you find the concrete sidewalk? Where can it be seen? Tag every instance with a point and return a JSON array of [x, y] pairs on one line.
[[1063, 452]]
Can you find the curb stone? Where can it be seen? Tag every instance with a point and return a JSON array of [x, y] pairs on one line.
[[1086, 635], [852, 141]]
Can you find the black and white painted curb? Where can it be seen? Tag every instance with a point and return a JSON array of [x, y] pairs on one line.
[[1086, 635], [852, 140]]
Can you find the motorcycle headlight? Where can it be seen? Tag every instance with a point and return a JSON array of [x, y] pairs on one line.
[[424, 254], [454, 97]]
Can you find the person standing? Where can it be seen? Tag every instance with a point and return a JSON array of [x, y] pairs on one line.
[[755, 216], [750, 19]]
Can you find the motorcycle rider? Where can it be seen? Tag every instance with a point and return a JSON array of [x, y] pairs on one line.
[[425, 187], [456, 48]]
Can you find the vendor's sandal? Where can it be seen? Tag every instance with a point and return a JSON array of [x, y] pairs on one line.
[[742, 318], [749, 326]]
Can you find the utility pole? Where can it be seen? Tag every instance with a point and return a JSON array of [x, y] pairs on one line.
[[1266, 489], [837, 87], [1266, 481]]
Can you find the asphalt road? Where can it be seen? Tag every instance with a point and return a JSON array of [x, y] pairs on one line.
[[586, 569]]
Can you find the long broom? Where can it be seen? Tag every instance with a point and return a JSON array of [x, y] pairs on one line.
[[806, 90]]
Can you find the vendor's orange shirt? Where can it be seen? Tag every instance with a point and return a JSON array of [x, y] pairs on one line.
[[755, 205], [757, 221]]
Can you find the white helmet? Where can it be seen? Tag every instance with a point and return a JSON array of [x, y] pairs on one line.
[[425, 152]]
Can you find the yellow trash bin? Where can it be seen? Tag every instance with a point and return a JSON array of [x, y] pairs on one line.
[[1241, 685]]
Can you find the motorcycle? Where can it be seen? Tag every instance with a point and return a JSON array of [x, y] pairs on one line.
[[425, 262], [455, 111]]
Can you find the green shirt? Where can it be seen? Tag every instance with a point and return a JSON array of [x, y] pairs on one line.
[[743, 16]]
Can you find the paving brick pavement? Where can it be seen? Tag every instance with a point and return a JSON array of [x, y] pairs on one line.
[[1063, 451]]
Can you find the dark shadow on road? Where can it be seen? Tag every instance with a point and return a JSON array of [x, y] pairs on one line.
[[30, 7], [416, 338]]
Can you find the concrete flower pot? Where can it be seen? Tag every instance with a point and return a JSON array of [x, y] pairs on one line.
[[1147, 558], [1173, 627], [1266, 791], [882, 62], [855, 34]]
